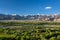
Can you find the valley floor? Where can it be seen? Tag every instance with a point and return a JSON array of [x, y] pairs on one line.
[[29, 30]]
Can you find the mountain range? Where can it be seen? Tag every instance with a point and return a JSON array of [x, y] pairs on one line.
[[28, 17]]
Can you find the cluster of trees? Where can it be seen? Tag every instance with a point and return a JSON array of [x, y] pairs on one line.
[[35, 34], [29, 33], [28, 23]]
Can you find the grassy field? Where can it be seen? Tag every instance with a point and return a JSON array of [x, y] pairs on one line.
[[29, 30]]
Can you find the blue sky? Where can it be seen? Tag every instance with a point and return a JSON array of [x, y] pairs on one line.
[[27, 7]]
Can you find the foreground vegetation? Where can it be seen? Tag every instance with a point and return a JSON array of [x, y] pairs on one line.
[[29, 31]]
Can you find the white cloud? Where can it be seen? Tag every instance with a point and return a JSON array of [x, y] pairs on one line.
[[48, 7]]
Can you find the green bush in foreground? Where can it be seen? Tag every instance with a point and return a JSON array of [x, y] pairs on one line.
[[29, 32]]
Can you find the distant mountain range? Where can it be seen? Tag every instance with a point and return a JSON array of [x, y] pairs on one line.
[[17, 17], [28, 17]]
